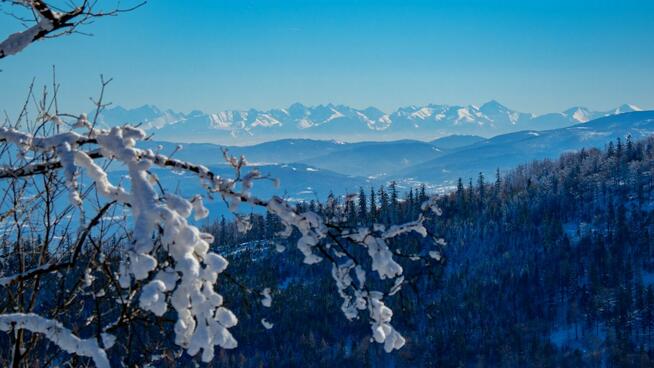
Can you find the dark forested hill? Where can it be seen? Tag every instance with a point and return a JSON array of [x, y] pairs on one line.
[[550, 265]]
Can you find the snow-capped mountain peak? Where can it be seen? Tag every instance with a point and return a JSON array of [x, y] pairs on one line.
[[345, 123], [493, 107], [579, 114], [149, 116], [626, 108]]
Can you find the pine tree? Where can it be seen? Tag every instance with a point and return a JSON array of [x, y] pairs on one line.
[[423, 194], [373, 206], [383, 205], [482, 189], [223, 230], [610, 151], [393, 210], [351, 212], [460, 195], [471, 191], [330, 205], [410, 207], [363, 211]]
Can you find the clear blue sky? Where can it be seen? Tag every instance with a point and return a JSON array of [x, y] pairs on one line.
[[534, 56]]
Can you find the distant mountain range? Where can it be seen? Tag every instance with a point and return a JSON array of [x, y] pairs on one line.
[[345, 123], [311, 168]]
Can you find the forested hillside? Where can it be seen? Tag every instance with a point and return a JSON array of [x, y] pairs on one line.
[[548, 265]]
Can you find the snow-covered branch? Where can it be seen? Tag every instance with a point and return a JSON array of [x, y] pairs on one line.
[[58, 334], [51, 23], [177, 268]]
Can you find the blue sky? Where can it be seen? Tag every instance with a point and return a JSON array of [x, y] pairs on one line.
[[533, 56]]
